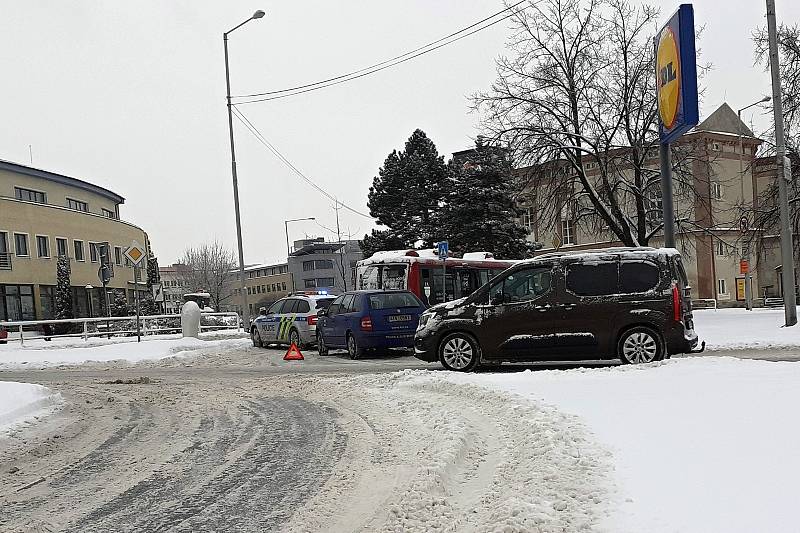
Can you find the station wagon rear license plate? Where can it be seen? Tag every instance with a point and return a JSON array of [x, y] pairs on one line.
[[399, 318]]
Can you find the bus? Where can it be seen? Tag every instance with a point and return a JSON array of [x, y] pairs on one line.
[[420, 271]]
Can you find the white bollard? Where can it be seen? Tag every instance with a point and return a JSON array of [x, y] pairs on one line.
[[190, 319]]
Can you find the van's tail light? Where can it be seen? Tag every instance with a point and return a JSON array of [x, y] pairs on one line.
[[366, 323], [312, 320], [676, 303]]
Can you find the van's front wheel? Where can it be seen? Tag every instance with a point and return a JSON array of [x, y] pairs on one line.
[[459, 351], [640, 345]]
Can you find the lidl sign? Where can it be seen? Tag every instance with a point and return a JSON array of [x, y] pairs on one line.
[[676, 75]]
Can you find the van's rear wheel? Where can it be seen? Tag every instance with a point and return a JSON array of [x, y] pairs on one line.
[[459, 352], [640, 345]]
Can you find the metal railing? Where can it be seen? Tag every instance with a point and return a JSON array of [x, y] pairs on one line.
[[115, 326], [5, 261]]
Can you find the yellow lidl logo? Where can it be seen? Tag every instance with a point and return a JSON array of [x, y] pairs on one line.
[[668, 69]]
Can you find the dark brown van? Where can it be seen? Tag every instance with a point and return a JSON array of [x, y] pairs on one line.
[[632, 304]]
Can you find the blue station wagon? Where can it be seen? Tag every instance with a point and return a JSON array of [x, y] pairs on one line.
[[369, 319]]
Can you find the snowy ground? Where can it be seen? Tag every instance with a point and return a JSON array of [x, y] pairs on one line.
[[75, 352], [738, 329], [699, 444], [23, 403]]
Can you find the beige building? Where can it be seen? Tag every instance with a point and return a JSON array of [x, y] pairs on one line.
[[264, 285], [172, 286], [710, 234], [44, 215]]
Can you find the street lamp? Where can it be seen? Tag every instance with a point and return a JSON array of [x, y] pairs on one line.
[[245, 311], [286, 228], [89, 289], [748, 278]]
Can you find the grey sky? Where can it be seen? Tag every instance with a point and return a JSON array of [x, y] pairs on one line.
[[130, 95]]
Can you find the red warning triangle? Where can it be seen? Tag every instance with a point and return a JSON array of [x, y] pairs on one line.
[[293, 354]]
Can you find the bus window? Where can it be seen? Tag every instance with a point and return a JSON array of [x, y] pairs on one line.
[[483, 277], [394, 277], [433, 287], [369, 279]]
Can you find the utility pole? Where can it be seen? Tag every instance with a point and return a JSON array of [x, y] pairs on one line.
[[784, 174], [245, 310], [341, 246]]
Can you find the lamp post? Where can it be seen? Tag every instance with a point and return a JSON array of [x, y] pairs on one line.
[[89, 289], [245, 311], [286, 228], [748, 278], [784, 174]]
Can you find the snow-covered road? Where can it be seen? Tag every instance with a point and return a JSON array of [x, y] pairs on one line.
[[22, 403]]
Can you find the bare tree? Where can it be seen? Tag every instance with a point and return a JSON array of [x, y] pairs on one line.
[[206, 269], [575, 101], [767, 215]]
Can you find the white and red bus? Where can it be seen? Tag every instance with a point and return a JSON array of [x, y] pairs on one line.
[[420, 271]]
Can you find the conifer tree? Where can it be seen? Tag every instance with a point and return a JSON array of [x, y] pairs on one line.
[[63, 303], [409, 191], [380, 240], [481, 214]]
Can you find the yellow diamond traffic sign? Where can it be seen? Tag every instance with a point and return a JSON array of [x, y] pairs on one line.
[[135, 253]]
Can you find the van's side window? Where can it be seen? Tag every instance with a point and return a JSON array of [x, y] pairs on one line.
[[637, 276], [592, 279], [522, 286]]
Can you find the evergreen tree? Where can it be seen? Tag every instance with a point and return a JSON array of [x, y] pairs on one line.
[[481, 214], [119, 305], [148, 306], [379, 241], [63, 304], [409, 191]]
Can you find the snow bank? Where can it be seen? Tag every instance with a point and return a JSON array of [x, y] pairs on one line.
[[43, 355], [732, 329], [22, 402], [700, 444]]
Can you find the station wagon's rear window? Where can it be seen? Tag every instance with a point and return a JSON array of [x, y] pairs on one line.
[[393, 299], [637, 276], [592, 279], [302, 307]]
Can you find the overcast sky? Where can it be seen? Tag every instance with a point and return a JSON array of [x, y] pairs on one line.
[[131, 96]]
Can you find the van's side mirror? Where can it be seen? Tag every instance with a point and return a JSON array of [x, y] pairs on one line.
[[497, 299], [322, 312]]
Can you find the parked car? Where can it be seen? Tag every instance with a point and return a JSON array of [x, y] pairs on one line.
[[628, 303], [290, 320], [369, 319]]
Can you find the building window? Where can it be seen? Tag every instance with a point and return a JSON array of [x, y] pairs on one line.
[[568, 232], [527, 218], [310, 283], [30, 196], [264, 289], [94, 253], [249, 291], [308, 265], [77, 205], [325, 282], [43, 246], [78, 250], [722, 287], [720, 248], [716, 190], [118, 255], [108, 214], [284, 285], [61, 247], [716, 147], [273, 288], [21, 244]]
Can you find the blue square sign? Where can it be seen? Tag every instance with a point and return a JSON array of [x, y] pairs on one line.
[[442, 248], [676, 75]]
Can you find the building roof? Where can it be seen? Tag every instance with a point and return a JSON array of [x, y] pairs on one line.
[[62, 179], [311, 247], [725, 120]]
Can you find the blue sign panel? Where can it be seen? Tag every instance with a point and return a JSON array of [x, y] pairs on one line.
[[442, 249], [676, 75]]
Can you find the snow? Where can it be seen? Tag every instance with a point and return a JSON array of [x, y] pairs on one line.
[[75, 352], [21, 403], [737, 329], [699, 444]]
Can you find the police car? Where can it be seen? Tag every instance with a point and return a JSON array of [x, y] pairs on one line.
[[290, 320]]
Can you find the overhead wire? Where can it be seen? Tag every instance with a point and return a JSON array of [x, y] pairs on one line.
[[271, 147], [383, 65]]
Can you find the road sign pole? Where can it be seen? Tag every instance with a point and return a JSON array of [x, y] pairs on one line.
[[787, 256], [136, 298]]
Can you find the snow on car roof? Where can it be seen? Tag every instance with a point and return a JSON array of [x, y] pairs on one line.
[[632, 252]]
